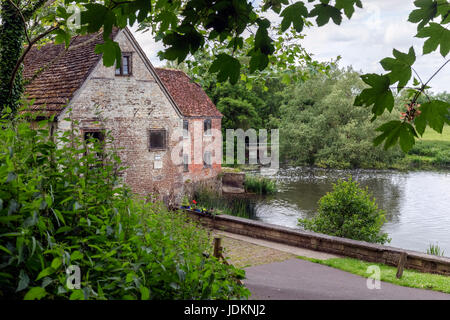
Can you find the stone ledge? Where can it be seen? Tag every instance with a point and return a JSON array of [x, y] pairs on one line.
[[320, 242]]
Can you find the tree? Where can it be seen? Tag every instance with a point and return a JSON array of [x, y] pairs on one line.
[[184, 26], [349, 212], [320, 126]]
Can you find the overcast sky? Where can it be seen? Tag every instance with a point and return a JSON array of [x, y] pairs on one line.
[[362, 42]]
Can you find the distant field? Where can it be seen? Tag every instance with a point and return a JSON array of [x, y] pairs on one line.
[[431, 135], [432, 151]]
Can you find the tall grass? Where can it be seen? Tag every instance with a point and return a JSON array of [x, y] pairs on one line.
[[243, 207], [260, 185], [435, 250]]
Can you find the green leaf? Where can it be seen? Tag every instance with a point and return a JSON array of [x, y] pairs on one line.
[[394, 131], [437, 36], [434, 113], [145, 293], [111, 53], [76, 255], [56, 263], [348, 6], [24, 281], [400, 67], [227, 67], [77, 295], [379, 95], [45, 272], [426, 12], [35, 293], [324, 13], [294, 14]]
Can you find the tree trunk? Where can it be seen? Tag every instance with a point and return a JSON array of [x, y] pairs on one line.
[[12, 36]]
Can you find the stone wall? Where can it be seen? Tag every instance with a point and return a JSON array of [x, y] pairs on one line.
[[320, 242]]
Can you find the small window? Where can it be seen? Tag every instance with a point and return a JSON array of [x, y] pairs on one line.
[[207, 127], [185, 128], [186, 162], [207, 163], [157, 140], [97, 137], [93, 135], [125, 68]]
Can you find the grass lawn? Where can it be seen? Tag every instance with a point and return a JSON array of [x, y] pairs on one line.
[[431, 135], [432, 151], [410, 278]]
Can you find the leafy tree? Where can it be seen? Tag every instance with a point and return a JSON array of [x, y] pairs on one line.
[[433, 19], [320, 126], [238, 114], [349, 212], [184, 26]]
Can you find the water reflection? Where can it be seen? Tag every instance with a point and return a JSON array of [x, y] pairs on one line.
[[417, 204]]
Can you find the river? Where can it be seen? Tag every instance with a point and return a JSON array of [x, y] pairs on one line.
[[417, 203]]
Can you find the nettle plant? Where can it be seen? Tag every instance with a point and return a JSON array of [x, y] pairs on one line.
[[63, 204]]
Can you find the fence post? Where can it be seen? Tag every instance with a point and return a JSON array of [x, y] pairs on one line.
[[217, 247], [401, 264]]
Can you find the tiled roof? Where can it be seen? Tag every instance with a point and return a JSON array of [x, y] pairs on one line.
[[190, 98], [54, 87]]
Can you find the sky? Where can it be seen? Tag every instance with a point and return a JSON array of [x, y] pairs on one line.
[[368, 37]]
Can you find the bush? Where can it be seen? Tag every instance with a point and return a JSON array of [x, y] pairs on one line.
[[348, 212], [62, 203], [259, 185]]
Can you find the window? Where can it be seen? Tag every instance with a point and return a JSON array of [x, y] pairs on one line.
[[207, 127], [185, 128], [93, 135], [125, 68], [97, 137], [186, 162], [207, 160], [157, 139]]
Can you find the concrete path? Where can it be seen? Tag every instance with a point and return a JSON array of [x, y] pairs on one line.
[[296, 279]]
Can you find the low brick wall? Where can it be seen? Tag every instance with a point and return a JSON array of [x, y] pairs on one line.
[[321, 242]]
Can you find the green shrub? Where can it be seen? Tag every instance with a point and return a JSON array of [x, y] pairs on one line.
[[66, 205], [259, 185], [348, 212]]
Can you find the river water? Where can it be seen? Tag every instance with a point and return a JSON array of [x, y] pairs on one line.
[[417, 204]]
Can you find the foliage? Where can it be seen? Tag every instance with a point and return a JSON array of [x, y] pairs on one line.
[[219, 204], [349, 212], [410, 278], [62, 203], [184, 27], [259, 184], [433, 113], [434, 249], [320, 126]]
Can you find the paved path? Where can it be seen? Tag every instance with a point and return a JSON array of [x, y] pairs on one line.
[[296, 279]]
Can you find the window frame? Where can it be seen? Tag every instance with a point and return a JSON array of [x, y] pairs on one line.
[[186, 131], [129, 56], [207, 132], [150, 131]]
